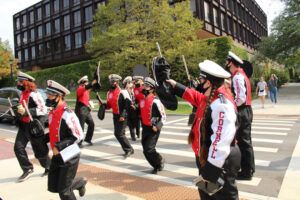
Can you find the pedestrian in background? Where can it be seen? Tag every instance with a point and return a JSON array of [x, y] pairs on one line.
[[261, 91], [272, 85]]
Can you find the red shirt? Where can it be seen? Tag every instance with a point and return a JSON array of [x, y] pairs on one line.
[[83, 95]]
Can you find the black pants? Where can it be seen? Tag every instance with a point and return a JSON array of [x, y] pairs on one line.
[[243, 136], [149, 141], [84, 115], [39, 147], [61, 177], [119, 131], [231, 167], [131, 126]]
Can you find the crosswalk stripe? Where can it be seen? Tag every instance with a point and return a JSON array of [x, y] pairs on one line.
[[168, 167], [275, 121], [272, 124], [270, 128], [265, 149], [177, 120], [267, 140], [188, 154], [267, 133], [270, 118]]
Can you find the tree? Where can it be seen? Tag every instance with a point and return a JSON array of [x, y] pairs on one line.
[[283, 44], [125, 33], [6, 60]]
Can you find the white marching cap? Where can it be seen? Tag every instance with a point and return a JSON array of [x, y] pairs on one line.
[[210, 68], [23, 76], [84, 78], [127, 79], [114, 77], [149, 81], [233, 56], [134, 78], [55, 88]]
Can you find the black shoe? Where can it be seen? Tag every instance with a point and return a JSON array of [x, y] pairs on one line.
[[82, 190], [162, 165], [243, 176], [89, 142], [45, 173], [80, 144], [129, 153], [25, 175], [154, 171]]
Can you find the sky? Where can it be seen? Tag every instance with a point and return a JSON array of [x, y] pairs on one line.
[[9, 7]]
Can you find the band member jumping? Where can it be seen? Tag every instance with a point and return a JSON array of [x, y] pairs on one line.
[[64, 131], [83, 108], [38, 110], [242, 96], [116, 101], [213, 133], [153, 116]]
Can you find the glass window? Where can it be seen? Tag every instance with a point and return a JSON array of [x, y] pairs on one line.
[[17, 23], [40, 50], [223, 21], [48, 47], [31, 17], [78, 41], [33, 52], [77, 18], [229, 24], [57, 45], [88, 14], [47, 9], [216, 23], [26, 54], [32, 35], [67, 42], [19, 39], [75, 2], [20, 55], [56, 5], [206, 11], [56, 25], [40, 31], [66, 3], [25, 36], [88, 34], [48, 28], [66, 22], [24, 20], [39, 13]]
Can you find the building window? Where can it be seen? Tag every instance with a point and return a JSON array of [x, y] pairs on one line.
[[88, 14], [17, 23], [31, 17], [67, 42], [20, 56], [88, 34], [48, 47], [206, 11], [26, 54], [234, 29], [78, 40], [24, 20], [56, 5], [40, 50], [19, 39], [229, 25], [223, 21], [25, 36], [48, 28], [40, 31], [33, 52], [56, 25], [75, 2], [215, 11], [66, 3], [77, 18], [66, 22], [47, 9], [39, 13], [32, 35], [57, 45]]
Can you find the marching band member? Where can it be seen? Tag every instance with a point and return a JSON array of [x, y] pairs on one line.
[[138, 96], [82, 108], [153, 116], [116, 101], [213, 132], [38, 110], [64, 131], [242, 96]]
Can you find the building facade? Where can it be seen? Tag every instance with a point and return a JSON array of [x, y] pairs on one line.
[[53, 32]]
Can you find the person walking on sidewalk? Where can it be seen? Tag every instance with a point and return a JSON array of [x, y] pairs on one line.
[[83, 108], [213, 132], [116, 101], [261, 91], [272, 84], [153, 116], [138, 96], [242, 96], [38, 110], [64, 131]]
